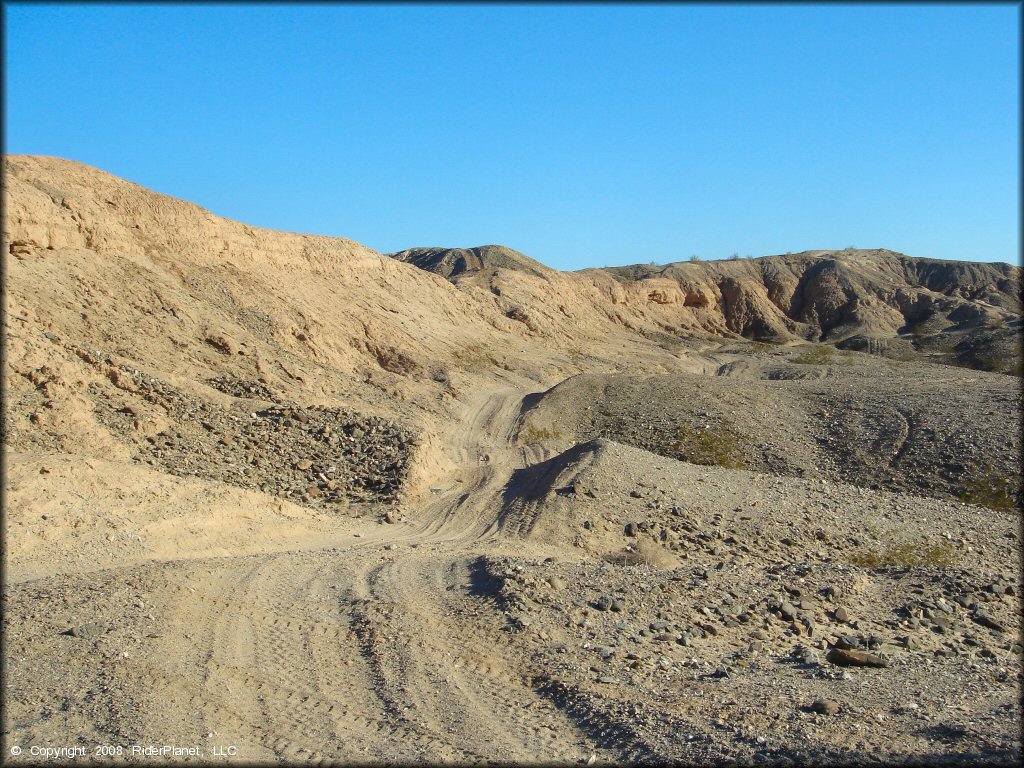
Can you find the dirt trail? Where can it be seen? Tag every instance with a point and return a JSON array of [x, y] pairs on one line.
[[352, 653]]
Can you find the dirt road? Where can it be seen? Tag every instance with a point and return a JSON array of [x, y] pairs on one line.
[[354, 652]]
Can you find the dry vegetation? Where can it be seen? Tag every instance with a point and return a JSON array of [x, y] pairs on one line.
[[713, 444], [907, 554], [820, 355]]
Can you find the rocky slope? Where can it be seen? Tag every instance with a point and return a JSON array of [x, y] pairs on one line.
[[924, 429]]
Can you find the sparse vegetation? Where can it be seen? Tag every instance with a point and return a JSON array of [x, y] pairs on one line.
[[735, 257], [666, 341], [907, 554], [714, 445], [905, 356], [695, 257], [820, 355], [475, 356], [394, 360], [533, 434], [990, 489]]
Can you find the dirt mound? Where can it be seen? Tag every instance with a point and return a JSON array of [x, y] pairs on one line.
[[928, 430]]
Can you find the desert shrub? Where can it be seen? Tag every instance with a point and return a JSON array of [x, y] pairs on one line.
[[989, 489], [760, 346], [695, 257], [644, 552], [994, 363], [918, 330], [906, 554], [734, 257], [532, 434], [905, 356], [714, 445], [820, 355], [475, 356]]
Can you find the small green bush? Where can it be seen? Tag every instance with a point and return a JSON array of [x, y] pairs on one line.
[[989, 489], [906, 554], [532, 434], [716, 445], [475, 356], [820, 355]]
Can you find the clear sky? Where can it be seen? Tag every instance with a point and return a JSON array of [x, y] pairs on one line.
[[580, 135]]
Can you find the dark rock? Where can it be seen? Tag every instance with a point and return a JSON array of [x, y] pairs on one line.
[[847, 658], [825, 707], [987, 621]]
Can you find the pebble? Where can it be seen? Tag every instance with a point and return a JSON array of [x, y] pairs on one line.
[[86, 631]]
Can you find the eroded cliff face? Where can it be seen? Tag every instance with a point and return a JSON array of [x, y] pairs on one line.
[[874, 300]]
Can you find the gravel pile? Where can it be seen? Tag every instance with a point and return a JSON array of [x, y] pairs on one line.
[[315, 456], [236, 387]]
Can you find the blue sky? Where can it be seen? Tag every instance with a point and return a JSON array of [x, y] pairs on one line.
[[580, 135]]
